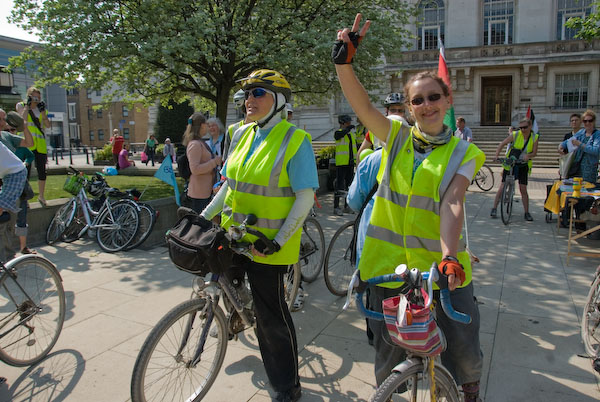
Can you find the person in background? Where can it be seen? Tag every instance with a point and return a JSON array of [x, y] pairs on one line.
[[150, 149], [216, 141], [124, 161], [202, 163], [36, 116], [575, 122], [587, 141], [117, 142], [345, 159], [462, 131], [238, 101], [169, 150], [290, 112]]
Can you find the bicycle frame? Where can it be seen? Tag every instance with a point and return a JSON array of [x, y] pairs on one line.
[[88, 213]]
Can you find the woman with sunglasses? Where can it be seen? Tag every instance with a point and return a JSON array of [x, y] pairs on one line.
[[524, 146], [418, 212], [271, 173], [587, 141]]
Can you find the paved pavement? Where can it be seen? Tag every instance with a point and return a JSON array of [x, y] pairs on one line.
[[530, 303]]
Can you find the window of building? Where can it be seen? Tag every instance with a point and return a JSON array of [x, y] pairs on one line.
[[90, 113], [571, 91], [126, 133], [73, 130], [72, 111], [99, 113], [89, 93], [498, 17], [125, 111], [98, 92], [567, 9], [430, 24], [101, 135], [6, 78], [72, 91], [91, 135]]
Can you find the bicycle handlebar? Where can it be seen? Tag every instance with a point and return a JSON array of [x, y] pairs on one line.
[[402, 275]]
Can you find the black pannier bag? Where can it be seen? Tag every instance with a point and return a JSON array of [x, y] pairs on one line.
[[198, 246]]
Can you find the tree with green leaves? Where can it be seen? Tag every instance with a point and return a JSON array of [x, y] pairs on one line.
[[171, 121], [173, 49], [588, 28]]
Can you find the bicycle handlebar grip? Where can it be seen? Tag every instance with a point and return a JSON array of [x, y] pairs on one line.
[[449, 310]]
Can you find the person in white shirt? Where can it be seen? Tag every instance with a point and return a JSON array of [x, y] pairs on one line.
[[13, 174], [463, 132]]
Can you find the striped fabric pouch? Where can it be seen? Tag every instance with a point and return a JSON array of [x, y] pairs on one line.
[[413, 327]]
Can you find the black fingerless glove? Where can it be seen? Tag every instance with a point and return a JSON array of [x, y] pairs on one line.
[[266, 248], [343, 52]]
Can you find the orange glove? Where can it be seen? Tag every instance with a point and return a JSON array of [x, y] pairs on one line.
[[450, 265]]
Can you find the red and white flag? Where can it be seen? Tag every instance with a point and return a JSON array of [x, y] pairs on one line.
[[531, 117], [449, 119]]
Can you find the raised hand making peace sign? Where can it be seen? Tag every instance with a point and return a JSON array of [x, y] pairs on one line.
[[347, 41]]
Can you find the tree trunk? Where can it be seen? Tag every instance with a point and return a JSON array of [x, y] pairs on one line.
[[223, 92]]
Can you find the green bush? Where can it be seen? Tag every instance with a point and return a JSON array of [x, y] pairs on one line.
[[327, 153], [104, 154], [159, 149]]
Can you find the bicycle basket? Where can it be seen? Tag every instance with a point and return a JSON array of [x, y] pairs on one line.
[[417, 331], [74, 183], [198, 246]]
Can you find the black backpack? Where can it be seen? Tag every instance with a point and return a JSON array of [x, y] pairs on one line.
[[183, 167]]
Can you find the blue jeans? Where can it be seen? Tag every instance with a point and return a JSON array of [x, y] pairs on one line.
[[463, 356]]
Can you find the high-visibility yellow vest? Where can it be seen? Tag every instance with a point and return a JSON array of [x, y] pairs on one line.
[[519, 143], [261, 186], [342, 150], [405, 223], [233, 127], [39, 140]]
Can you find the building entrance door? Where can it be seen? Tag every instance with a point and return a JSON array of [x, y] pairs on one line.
[[495, 103]]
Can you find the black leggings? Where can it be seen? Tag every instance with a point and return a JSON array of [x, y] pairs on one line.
[[40, 164]]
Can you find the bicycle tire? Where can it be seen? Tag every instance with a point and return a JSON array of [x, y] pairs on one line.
[[590, 320], [312, 249], [485, 178], [147, 222], [338, 266], [411, 378], [61, 220], [160, 368], [291, 284], [33, 338], [506, 202], [77, 224], [127, 217]]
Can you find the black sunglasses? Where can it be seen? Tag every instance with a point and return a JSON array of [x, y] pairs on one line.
[[11, 130], [256, 92], [523, 127], [396, 110], [419, 100], [588, 121]]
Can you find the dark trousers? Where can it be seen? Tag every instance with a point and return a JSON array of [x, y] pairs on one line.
[[198, 204], [274, 325], [150, 153], [344, 175]]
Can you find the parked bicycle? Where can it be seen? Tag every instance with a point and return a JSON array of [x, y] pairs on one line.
[[114, 225], [590, 320], [340, 259], [312, 248], [32, 309], [484, 178], [420, 377], [508, 191], [182, 355]]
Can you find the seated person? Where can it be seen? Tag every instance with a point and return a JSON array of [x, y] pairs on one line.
[[124, 161]]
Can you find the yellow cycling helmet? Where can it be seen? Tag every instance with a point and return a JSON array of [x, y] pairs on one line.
[[268, 79]]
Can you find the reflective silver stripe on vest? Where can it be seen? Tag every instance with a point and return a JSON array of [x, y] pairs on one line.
[[262, 223], [257, 189], [279, 159], [237, 135], [453, 165], [416, 201], [391, 237]]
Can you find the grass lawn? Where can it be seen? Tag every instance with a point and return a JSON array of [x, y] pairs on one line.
[[156, 188]]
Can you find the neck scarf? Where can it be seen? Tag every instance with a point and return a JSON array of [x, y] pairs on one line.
[[424, 142]]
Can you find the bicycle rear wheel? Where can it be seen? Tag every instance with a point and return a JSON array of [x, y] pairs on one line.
[[339, 265], [77, 224], [147, 221], [31, 320], [291, 284], [126, 218], [410, 384], [590, 321], [312, 249], [164, 369], [485, 178], [62, 219], [506, 201]]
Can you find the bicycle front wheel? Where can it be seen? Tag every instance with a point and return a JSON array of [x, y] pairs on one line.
[[32, 318], [147, 221], [122, 220], [291, 284], [339, 265], [590, 333], [410, 384], [62, 219], [165, 368], [506, 202], [312, 249], [485, 178]]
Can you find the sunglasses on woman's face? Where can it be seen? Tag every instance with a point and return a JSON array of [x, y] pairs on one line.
[[588, 121], [419, 100], [256, 92], [11, 130], [523, 127]]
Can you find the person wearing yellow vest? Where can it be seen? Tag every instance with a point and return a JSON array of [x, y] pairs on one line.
[[345, 159], [418, 211], [524, 147], [37, 113], [238, 101], [270, 172]]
